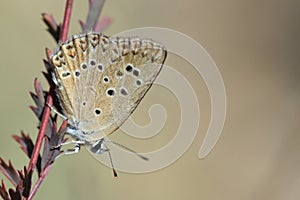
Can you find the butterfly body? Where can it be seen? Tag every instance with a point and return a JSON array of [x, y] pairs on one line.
[[100, 81]]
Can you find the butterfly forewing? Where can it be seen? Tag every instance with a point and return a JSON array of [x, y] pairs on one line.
[[65, 81], [100, 80]]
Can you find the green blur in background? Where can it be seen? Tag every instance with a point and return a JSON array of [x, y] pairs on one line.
[[255, 44]]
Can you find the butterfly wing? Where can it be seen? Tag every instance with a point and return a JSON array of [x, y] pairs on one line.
[[67, 77], [101, 80], [141, 61]]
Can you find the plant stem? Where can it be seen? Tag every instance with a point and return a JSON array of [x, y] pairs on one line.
[[41, 134], [66, 22], [47, 110], [39, 182]]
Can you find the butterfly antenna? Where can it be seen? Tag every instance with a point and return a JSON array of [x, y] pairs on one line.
[[128, 149], [111, 162]]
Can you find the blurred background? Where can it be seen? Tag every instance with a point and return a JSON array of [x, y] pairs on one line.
[[256, 46]]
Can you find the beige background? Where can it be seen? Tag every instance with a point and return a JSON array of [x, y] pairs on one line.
[[256, 47]]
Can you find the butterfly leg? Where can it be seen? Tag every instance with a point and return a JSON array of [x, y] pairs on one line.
[[77, 144]]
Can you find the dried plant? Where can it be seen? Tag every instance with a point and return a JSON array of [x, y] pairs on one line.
[[49, 136]]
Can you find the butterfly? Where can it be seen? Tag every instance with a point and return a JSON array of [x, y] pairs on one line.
[[100, 81]]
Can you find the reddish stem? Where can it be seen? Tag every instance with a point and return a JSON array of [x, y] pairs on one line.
[[49, 101], [45, 171], [41, 134], [66, 22], [39, 181], [47, 110]]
